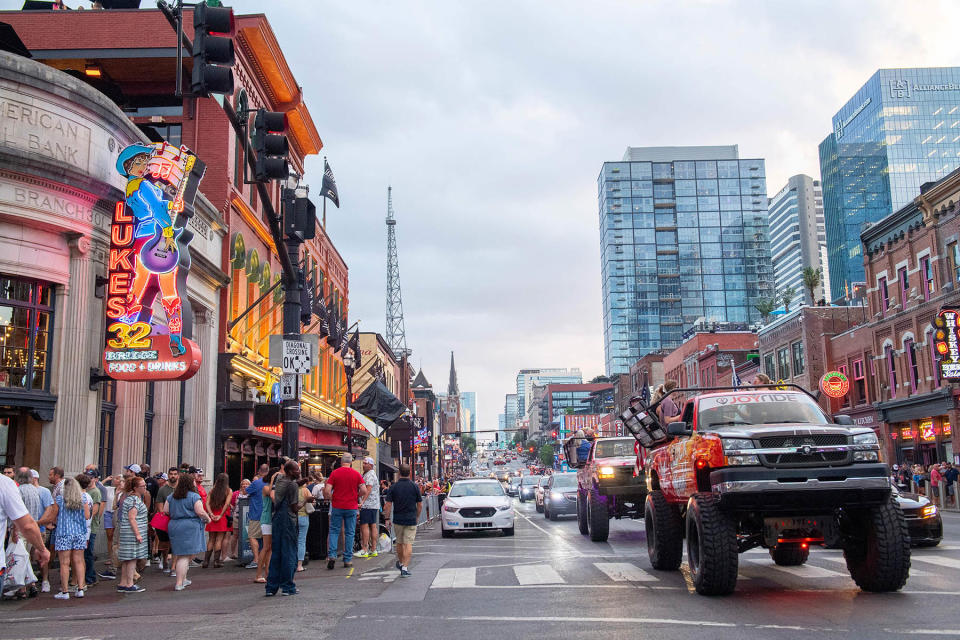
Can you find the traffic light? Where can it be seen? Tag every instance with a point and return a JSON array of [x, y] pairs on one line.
[[299, 216], [554, 434], [270, 145], [940, 336], [213, 57]]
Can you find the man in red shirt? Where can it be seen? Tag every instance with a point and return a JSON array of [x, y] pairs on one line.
[[345, 489]]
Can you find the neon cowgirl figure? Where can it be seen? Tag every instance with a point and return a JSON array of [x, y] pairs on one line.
[[155, 245]]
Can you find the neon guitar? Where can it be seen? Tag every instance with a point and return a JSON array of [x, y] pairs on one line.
[[161, 253]]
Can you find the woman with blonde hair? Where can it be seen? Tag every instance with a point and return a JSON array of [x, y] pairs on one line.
[[70, 512], [668, 408]]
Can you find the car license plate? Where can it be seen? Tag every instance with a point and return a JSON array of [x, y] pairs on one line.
[[794, 524]]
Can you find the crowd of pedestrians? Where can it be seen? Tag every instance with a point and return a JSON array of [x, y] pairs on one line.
[[918, 476], [170, 520]]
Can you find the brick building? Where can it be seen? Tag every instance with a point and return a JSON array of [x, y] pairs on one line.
[[704, 359], [133, 54], [794, 348], [911, 259]]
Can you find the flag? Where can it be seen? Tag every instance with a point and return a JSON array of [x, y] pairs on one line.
[[645, 390], [736, 379], [353, 344], [329, 188], [320, 310]]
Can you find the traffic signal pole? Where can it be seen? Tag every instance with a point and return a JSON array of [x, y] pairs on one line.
[[290, 407]]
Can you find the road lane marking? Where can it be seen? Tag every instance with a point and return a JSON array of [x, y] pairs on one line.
[[802, 571], [455, 578], [624, 572], [913, 572], [943, 561], [537, 574]]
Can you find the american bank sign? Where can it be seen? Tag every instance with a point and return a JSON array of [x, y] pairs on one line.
[[905, 88]]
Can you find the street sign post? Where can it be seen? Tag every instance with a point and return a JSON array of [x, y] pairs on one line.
[[297, 357], [289, 386]]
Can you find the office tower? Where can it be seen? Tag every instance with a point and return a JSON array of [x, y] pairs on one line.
[[898, 131], [683, 239], [797, 236]]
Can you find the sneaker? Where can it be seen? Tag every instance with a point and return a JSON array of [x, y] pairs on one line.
[[252, 565], [45, 587], [331, 563], [132, 589], [173, 574], [179, 587], [106, 574], [71, 588], [373, 554], [291, 593], [63, 595], [405, 573], [79, 593], [167, 570], [270, 594], [187, 583], [194, 563], [361, 554], [347, 565], [397, 565]]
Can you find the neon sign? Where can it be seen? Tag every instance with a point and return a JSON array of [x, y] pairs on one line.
[[946, 343], [148, 265], [834, 384], [927, 432]]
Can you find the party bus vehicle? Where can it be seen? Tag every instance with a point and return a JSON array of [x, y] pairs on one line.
[[760, 467]]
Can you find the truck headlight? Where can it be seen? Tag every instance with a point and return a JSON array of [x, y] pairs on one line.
[[606, 472], [866, 456], [870, 447], [738, 444], [865, 438]]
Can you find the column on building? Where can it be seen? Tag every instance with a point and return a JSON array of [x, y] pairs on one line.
[[128, 442], [200, 411]]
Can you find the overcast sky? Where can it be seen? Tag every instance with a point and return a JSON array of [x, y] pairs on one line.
[[491, 121]]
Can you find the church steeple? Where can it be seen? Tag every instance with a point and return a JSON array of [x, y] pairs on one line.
[[452, 389]]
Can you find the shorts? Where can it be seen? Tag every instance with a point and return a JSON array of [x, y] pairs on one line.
[[405, 533], [369, 516], [253, 530], [108, 519], [267, 529]]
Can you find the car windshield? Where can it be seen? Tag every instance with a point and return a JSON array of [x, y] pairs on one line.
[[462, 489], [527, 480], [515, 481], [615, 447], [564, 480], [752, 409]]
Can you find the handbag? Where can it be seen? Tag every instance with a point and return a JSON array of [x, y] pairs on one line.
[[160, 521]]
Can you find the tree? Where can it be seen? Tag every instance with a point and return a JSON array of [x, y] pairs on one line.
[[787, 296], [546, 455], [766, 306], [468, 444], [811, 280], [599, 379]]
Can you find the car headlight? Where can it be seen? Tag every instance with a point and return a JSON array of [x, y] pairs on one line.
[[449, 509], [503, 507], [555, 495], [606, 472], [928, 511], [865, 438]]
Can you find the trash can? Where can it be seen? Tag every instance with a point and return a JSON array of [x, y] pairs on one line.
[[318, 531]]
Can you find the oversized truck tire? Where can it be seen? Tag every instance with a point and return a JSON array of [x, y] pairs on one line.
[[881, 560], [582, 513], [789, 555], [664, 528], [711, 546], [599, 517]]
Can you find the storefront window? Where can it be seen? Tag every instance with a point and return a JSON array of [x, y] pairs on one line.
[[783, 364], [25, 322], [798, 364], [859, 382], [108, 411]]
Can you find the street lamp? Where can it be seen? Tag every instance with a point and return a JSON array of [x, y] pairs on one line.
[[348, 362]]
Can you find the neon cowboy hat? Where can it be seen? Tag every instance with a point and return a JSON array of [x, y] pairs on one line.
[[129, 152]]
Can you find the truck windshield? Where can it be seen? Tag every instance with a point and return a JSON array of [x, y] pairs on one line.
[[750, 409], [614, 448]]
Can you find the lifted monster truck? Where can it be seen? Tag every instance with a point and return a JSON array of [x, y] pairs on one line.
[[606, 484], [758, 467]]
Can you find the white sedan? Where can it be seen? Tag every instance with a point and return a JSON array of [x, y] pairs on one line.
[[476, 505]]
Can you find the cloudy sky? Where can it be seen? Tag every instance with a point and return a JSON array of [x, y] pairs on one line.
[[491, 121]]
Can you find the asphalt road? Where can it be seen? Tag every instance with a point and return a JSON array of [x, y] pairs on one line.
[[547, 580]]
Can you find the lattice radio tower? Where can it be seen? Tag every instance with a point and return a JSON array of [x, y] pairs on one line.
[[396, 335]]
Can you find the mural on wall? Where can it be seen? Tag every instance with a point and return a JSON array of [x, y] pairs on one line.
[[148, 265]]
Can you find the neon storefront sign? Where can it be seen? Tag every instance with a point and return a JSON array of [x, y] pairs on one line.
[[148, 264], [947, 343], [834, 384]]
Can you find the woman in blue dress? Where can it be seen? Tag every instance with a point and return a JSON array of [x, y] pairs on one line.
[[187, 519], [70, 513]]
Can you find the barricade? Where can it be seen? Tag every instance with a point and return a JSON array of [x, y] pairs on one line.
[[430, 511]]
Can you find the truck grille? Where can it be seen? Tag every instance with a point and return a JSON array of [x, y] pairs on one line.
[[817, 440], [811, 460], [483, 512]]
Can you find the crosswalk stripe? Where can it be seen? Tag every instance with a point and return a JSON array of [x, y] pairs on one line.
[[943, 561], [537, 574], [914, 573], [624, 572], [801, 571], [456, 578]]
